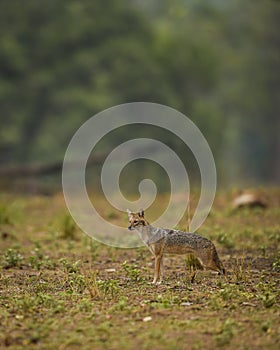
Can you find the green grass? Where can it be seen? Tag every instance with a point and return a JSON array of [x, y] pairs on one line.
[[60, 289]]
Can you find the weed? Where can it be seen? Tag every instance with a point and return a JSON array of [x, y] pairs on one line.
[[166, 300], [268, 299], [273, 234], [132, 272], [25, 304], [225, 240], [28, 304], [122, 304], [276, 263], [85, 305], [192, 264], [93, 249], [91, 283], [265, 326], [35, 262], [227, 293], [226, 333], [76, 283], [12, 258], [68, 227], [109, 287], [263, 249], [4, 215], [70, 267], [38, 260], [10, 213], [241, 271], [215, 303], [112, 253], [248, 232], [47, 300], [142, 252]]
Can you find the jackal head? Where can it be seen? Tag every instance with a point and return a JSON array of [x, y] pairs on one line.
[[136, 219]]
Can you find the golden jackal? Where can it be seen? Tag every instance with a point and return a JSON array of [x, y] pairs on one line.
[[161, 241]]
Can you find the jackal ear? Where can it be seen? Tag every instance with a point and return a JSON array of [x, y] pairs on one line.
[[128, 211], [141, 213]]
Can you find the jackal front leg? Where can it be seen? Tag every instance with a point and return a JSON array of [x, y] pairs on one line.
[[157, 268], [161, 272]]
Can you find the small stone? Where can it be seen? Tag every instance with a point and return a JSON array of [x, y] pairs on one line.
[[187, 303], [147, 319], [19, 317], [245, 303]]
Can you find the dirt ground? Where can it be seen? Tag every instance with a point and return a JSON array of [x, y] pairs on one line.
[[60, 289]]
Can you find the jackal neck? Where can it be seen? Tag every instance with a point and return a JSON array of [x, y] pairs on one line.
[[145, 231]]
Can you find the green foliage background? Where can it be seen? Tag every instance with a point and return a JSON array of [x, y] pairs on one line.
[[62, 61]]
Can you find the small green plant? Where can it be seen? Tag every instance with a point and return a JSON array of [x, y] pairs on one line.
[[276, 263], [263, 249], [91, 283], [109, 287], [10, 213], [265, 326], [192, 264], [68, 227], [273, 233], [38, 260], [132, 272], [47, 300], [12, 258], [75, 281], [227, 293], [167, 300], [25, 304], [226, 333], [93, 249], [162, 301], [268, 299], [225, 240], [79, 279], [241, 271], [70, 267], [4, 215], [28, 304], [122, 304]]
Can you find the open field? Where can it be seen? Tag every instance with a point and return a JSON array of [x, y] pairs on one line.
[[59, 289]]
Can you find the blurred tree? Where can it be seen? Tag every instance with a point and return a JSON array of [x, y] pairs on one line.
[[63, 62], [66, 60], [250, 92], [217, 62]]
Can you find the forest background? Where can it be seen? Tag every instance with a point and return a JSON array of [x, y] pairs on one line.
[[217, 62]]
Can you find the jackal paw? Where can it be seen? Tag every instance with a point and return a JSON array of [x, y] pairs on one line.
[[156, 282]]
